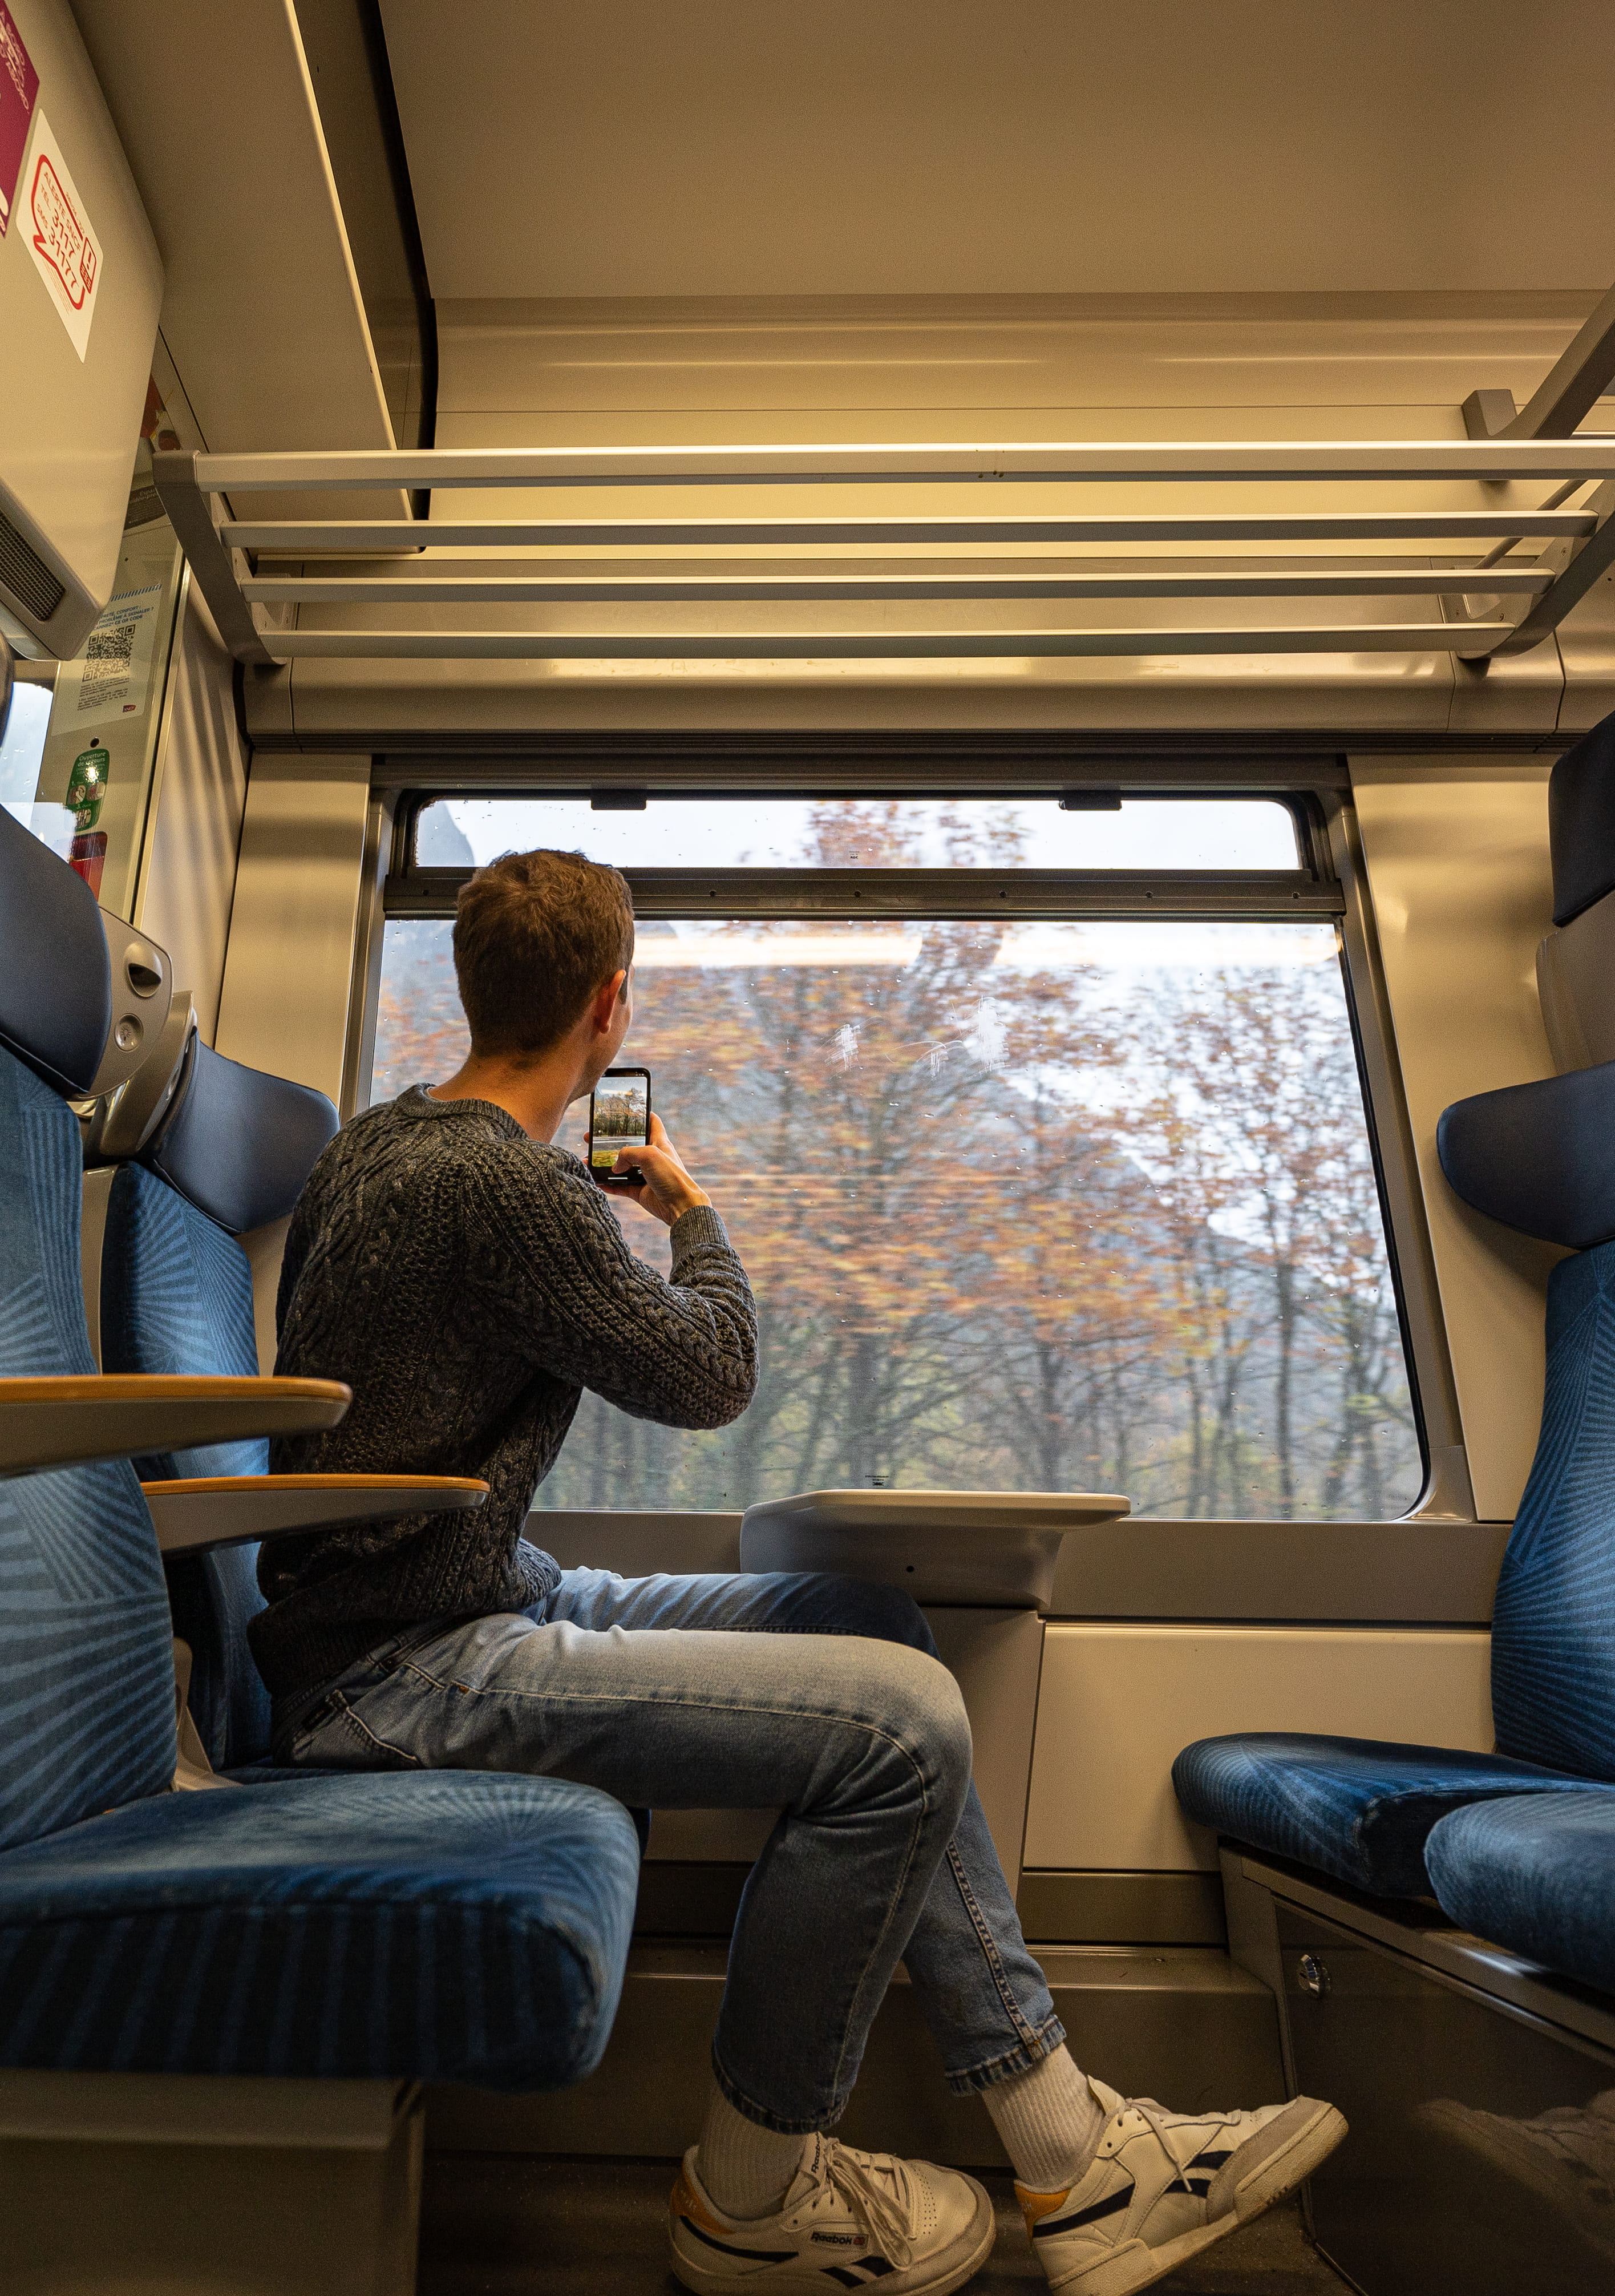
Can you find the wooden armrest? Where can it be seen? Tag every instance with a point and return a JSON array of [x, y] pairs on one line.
[[207, 1511], [62, 1422]]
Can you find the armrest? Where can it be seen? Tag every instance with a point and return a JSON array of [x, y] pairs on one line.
[[230, 1510], [63, 1422]]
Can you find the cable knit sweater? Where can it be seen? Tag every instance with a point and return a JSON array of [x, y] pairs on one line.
[[469, 1282]]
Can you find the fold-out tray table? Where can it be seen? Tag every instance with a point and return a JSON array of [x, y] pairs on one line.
[[994, 1549]]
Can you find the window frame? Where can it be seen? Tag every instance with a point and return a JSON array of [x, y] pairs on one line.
[[1312, 890], [1328, 884]]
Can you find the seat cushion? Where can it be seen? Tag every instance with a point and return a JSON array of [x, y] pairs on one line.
[[1536, 1874], [1352, 1806], [456, 1925]]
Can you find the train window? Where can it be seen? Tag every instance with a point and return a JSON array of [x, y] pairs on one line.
[[1028, 1202], [841, 833]]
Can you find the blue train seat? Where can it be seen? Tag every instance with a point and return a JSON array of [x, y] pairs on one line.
[[230, 1154], [199, 1151], [1535, 1157], [1536, 1874], [314, 1929], [1356, 1808]]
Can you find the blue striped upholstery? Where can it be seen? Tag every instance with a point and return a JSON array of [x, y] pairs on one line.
[[1554, 1622], [1536, 1874], [1354, 1808], [86, 1702], [176, 1297], [458, 1925], [1362, 1811]]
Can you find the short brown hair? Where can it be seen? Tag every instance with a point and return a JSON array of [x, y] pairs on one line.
[[535, 934]]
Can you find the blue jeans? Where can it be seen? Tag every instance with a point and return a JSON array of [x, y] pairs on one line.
[[820, 1693]]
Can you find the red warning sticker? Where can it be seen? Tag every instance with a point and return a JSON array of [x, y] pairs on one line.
[[66, 252]]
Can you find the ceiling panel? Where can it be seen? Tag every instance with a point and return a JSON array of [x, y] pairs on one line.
[[846, 147]]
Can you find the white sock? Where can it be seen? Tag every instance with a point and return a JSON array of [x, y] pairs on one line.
[[1048, 2121], [747, 2169]]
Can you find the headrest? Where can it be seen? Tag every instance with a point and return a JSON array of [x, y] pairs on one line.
[[1539, 1157], [56, 977], [239, 1144], [1581, 823]]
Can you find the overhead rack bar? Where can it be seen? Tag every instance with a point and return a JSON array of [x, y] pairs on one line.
[[1575, 383], [360, 537], [859, 645], [437, 586], [264, 610], [1051, 463]]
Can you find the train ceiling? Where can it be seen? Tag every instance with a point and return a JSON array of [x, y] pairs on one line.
[[960, 147]]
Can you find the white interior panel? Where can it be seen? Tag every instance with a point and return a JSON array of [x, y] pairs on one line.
[[1120, 1703], [1458, 869], [72, 411], [262, 315], [188, 875], [288, 972]]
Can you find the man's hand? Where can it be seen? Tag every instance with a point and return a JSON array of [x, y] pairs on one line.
[[667, 1190]]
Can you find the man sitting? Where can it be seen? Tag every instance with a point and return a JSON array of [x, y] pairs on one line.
[[469, 1280]]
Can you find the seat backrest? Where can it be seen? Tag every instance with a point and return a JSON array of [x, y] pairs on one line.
[[1554, 1618], [86, 1674], [231, 1155], [1540, 1158], [176, 1298]]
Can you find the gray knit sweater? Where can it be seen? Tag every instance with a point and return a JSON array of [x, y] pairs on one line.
[[468, 1283]]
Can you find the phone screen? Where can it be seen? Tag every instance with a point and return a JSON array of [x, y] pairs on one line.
[[619, 1117]]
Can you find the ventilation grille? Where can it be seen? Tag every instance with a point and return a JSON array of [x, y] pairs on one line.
[[26, 574]]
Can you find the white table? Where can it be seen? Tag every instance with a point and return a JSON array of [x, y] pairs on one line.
[[995, 1550]]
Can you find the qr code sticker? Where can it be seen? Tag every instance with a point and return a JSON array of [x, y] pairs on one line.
[[108, 668]]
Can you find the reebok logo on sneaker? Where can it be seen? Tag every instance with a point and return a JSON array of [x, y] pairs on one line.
[[1164, 2186]]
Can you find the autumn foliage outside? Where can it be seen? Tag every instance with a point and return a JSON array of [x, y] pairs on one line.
[[1023, 1208]]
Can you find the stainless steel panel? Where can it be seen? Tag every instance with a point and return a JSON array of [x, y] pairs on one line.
[[1477, 2163]]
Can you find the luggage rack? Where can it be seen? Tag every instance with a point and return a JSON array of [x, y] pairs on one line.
[[287, 589]]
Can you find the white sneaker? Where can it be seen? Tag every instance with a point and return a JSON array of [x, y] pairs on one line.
[[1163, 2185], [849, 2220]]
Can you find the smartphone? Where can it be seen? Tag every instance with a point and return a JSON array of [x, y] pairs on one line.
[[619, 1117]]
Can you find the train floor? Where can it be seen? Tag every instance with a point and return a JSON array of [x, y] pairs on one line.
[[503, 2225]]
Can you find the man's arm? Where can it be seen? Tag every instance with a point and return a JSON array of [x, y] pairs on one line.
[[681, 1350]]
